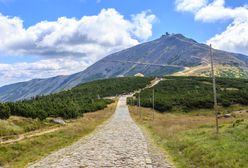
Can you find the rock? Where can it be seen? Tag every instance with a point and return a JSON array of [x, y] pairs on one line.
[[227, 115], [148, 161], [59, 121]]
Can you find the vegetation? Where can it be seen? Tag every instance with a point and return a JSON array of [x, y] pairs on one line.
[[187, 93], [72, 103], [229, 71], [19, 154], [4, 111], [29, 115], [221, 70], [18, 125], [189, 139]]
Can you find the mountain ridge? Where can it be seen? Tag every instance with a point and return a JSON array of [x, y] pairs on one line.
[[169, 49]]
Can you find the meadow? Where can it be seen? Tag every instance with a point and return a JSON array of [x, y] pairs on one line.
[[184, 121], [190, 140]]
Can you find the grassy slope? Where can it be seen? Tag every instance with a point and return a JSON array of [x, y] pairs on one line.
[[220, 71], [18, 125], [19, 154], [190, 139]]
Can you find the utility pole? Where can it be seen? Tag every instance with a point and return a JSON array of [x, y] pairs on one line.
[[139, 106], [214, 90], [153, 103]]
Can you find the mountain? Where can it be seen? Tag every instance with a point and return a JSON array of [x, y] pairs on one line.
[[170, 54]]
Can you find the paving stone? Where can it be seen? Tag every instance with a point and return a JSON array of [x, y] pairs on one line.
[[118, 143]]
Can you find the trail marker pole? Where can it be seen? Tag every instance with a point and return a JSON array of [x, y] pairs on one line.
[[214, 90], [139, 106], [153, 109]]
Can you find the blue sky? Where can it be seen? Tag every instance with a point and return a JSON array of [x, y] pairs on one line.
[[170, 20], [23, 57]]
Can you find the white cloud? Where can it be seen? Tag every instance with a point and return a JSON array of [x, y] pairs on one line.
[[98, 35], [89, 39], [10, 73], [235, 37], [190, 5], [142, 24], [217, 11]]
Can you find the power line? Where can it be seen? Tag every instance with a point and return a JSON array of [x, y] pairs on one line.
[[147, 63]]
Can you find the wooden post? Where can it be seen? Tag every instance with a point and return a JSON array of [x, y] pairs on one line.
[[139, 106], [214, 90], [153, 105]]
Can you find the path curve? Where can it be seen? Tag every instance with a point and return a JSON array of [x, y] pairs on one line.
[[118, 143], [30, 134]]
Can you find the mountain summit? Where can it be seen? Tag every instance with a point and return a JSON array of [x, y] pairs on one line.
[[170, 54]]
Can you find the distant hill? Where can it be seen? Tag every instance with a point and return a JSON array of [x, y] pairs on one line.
[[184, 56]]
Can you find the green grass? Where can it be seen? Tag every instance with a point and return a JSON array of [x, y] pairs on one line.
[[19, 154], [190, 140], [201, 147], [17, 125]]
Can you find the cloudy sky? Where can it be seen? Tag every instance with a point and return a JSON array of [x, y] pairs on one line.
[[45, 38]]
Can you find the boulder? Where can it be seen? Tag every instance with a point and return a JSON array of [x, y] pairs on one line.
[[227, 115], [59, 121]]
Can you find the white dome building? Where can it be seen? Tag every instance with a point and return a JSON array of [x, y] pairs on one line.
[[139, 75]]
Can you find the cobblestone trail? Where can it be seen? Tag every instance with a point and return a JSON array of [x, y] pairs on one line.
[[118, 143]]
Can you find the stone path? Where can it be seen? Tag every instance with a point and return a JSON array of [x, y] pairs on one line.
[[118, 143]]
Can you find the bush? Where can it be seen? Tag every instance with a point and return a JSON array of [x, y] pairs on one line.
[[226, 103], [68, 113], [189, 93], [72, 103], [4, 111], [41, 114], [163, 106]]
